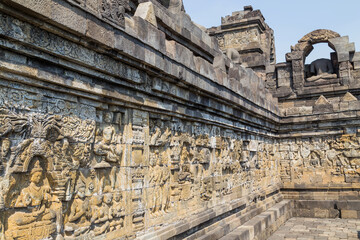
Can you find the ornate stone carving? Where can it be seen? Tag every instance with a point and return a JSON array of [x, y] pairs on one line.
[[336, 156], [318, 36], [114, 10], [77, 222], [42, 210], [109, 148]]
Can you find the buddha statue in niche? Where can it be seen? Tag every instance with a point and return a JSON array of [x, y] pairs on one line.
[[322, 69]]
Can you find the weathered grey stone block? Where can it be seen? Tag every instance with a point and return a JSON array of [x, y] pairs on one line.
[[146, 11]]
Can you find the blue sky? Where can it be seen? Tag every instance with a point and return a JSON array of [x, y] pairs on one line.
[[290, 19]]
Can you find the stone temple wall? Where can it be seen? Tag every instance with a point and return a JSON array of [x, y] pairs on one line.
[[118, 118], [114, 122], [319, 106]]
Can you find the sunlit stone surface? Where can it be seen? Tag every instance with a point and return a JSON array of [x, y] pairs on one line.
[[124, 119]]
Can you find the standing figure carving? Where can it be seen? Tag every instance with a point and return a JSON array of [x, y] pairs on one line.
[[5, 149], [155, 181]]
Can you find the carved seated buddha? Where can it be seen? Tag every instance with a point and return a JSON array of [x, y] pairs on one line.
[[36, 214], [323, 69]]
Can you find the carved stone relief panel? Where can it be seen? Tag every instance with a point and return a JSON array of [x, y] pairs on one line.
[[39, 38], [71, 170], [112, 10], [115, 10], [322, 161], [239, 39]]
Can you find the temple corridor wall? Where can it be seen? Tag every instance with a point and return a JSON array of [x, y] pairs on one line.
[[320, 162], [69, 168], [118, 118], [96, 145]]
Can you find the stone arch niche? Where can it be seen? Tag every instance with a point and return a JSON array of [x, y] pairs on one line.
[[341, 59]]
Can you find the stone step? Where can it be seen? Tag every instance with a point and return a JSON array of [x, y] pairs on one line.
[[209, 219], [225, 226], [182, 226], [263, 225]]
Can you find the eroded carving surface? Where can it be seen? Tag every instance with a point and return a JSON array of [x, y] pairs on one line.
[[67, 174], [119, 147], [321, 161]]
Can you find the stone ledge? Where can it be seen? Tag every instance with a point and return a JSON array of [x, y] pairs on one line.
[[218, 215], [349, 209], [172, 68], [96, 92], [221, 228], [264, 224]]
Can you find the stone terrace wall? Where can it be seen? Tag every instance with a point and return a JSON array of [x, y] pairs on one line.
[[119, 117], [116, 118], [319, 148], [318, 136]]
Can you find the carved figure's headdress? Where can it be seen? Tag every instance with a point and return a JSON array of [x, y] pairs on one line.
[[36, 168], [80, 184]]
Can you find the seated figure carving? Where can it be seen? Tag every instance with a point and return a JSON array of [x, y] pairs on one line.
[[323, 69], [100, 213], [78, 222], [107, 147], [117, 212], [37, 214]]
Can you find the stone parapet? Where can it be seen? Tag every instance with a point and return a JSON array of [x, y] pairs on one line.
[[118, 117], [110, 129]]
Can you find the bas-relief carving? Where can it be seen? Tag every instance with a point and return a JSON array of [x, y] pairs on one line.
[[202, 167], [39, 172], [238, 39], [108, 148], [41, 213], [321, 160], [39, 38], [114, 10], [63, 175]]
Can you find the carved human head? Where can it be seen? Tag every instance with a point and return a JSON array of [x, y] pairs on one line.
[[36, 177], [108, 134], [108, 198], [96, 200], [108, 117], [154, 158], [81, 189], [36, 173], [117, 196]]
